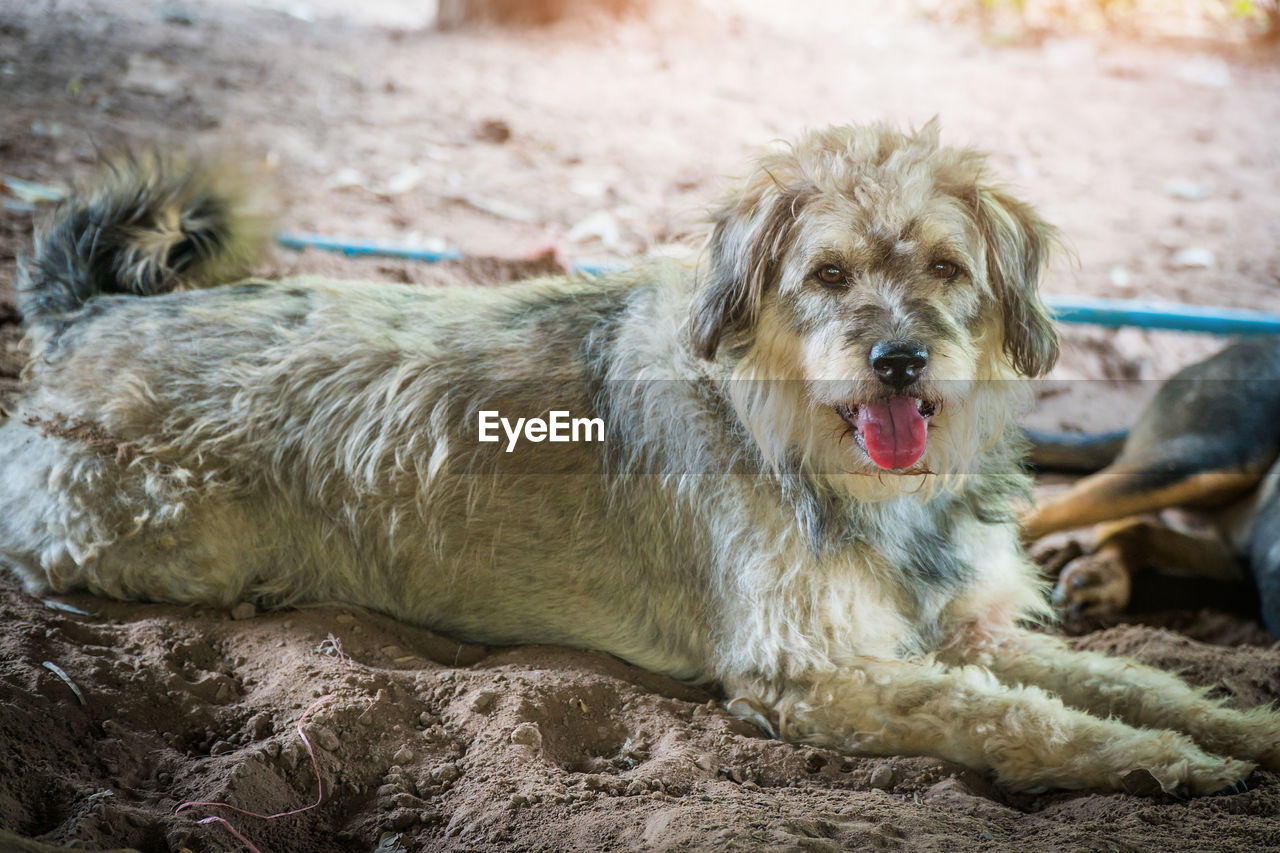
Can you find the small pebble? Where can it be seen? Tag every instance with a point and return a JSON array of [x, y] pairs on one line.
[[446, 773], [390, 842], [493, 130], [1194, 258], [174, 13], [882, 777], [527, 734], [260, 725], [1186, 189], [404, 755], [325, 738]]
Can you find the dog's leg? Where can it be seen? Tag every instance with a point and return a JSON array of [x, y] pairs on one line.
[[1122, 491], [44, 484], [78, 516], [1101, 581], [1028, 738], [1138, 694]]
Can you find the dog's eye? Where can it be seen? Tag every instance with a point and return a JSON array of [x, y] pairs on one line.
[[944, 270], [831, 274]]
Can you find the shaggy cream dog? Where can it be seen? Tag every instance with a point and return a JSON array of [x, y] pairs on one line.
[[792, 475]]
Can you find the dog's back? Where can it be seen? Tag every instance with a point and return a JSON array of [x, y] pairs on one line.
[[307, 440]]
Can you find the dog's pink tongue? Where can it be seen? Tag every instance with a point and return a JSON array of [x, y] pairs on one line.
[[893, 431]]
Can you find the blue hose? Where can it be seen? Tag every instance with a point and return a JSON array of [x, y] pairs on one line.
[[302, 241], [1163, 315], [1099, 312]]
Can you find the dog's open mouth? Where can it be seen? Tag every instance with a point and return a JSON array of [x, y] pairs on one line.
[[892, 431]]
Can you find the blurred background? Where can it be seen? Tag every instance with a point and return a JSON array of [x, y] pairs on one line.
[[1146, 129]]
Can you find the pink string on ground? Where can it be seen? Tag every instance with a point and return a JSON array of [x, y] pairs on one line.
[[315, 765]]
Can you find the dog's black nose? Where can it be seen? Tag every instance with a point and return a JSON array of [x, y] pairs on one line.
[[898, 363]]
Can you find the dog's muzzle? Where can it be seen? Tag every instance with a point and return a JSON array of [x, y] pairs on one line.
[[893, 430]]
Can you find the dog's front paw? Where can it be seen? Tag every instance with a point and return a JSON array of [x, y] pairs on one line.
[[1096, 583], [1262, 731], [1251, 735], [1176, 763], [1193, 772], [1220, 776]]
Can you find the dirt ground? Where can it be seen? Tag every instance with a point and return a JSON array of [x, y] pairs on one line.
[[596, 140]]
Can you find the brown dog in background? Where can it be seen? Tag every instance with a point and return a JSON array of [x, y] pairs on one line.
[[1209, 443]]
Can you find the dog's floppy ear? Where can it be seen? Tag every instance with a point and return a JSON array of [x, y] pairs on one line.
[[746, 247], [1018, 243]]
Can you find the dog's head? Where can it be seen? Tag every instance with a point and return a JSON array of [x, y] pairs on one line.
[[875, 291]]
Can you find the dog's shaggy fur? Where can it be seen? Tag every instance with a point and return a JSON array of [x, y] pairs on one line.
[[310, 440]]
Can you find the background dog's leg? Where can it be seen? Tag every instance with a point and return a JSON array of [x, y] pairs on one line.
[[1206, 439], [1030, 739], [1140, 695], [1125, 490]]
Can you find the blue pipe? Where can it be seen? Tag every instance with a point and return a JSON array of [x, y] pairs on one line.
[[1163, 315], [302, 241], [1099, 312]]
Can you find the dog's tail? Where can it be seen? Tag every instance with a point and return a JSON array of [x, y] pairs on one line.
[[150, 224], [1075, 453]]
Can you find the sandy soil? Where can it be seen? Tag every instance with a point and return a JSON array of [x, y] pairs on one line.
[[598, 140]]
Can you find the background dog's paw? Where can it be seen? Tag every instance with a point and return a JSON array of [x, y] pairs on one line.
[[1095, 583], [1053, 555]]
